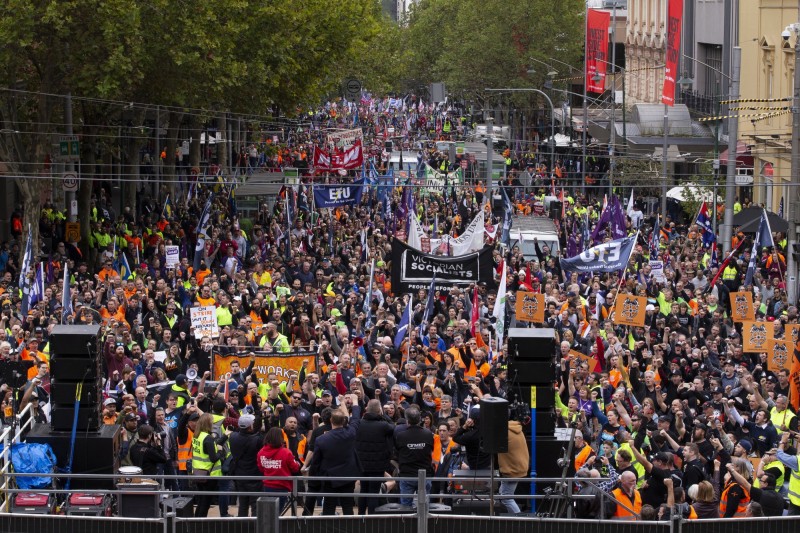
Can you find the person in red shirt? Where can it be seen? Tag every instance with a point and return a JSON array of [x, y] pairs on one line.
[[275, 459]]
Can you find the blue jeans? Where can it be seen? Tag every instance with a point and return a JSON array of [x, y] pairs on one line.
[[282, 500], [508, 488], [223, 499], [408, 488]]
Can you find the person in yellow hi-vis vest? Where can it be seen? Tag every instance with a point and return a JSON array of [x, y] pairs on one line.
[[207, 458]]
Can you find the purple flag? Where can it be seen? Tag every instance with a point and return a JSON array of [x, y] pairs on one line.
[[572, 242], [613, 216]]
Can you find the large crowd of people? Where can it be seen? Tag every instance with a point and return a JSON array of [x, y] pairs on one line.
[[674, 415]]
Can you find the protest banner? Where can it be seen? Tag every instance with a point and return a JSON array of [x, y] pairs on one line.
[[204, 321], [742, 306], [756, 336], [173, 256], [281, 365], [530, 307], [630, 310]]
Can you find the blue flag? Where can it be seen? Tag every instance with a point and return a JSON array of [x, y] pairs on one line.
[[605, 257], [66, 297], [405, 321], [762, 238], [429, 307], [327, 196], [37, 290], [202, 232], [368, 298], [24, 280], [124, 267]]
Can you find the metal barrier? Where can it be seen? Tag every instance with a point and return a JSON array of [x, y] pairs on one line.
[[7, 438]]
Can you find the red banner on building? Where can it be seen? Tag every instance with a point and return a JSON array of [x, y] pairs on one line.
[[674, 22], [596, 49]]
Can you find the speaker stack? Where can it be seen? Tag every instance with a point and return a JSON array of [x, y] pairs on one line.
[[532, 369], [75, 360]]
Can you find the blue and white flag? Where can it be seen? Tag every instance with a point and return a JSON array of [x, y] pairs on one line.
[[24, 280], [66, 297], [763, 238], [326, 196], [37, 289], [368, 299], [429, 307], [202, 232], [605, 257], [405, 322]]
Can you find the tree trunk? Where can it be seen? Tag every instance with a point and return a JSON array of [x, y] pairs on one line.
[[222, 148], [131, 175], [195, 132], [168, 172]]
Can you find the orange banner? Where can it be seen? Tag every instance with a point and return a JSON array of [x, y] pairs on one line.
[[742, 306], [630, 310], [756, 336], [278, 364], [580, 357], [530, 307], [792, 334], [778, 357], [794, 380]]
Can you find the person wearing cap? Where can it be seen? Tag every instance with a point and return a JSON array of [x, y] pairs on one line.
[[659, 468], [207, 457], [770, 465], [780, 415], [110, 415], [187, 425], [245, 445], [130, 425]]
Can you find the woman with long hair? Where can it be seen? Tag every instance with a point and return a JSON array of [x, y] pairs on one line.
[[275, 459], [206, 462]]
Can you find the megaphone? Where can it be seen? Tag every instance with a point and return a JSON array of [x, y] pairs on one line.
[[191, 374]]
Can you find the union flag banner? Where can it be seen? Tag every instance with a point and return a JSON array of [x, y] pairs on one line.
[[279, 364], [792, 333], [742, 306], [779, 357], [630, 310], [530, 307], [756, 336]]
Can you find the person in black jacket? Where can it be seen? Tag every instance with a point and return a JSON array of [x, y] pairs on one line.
[[244, 446], [414, 445], [335, 457], [148, 452], [469, 437], [374, 446]]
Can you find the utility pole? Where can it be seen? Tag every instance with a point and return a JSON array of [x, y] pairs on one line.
[[792, 208], [69, 196], [613, 138], [664, 165], [733, 132], [489, 159]]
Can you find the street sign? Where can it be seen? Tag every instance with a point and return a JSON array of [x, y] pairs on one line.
[[352, 89], [72, 233], [69, 181], [69, 148]]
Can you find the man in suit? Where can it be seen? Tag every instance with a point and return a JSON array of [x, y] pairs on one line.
[[334, 456]]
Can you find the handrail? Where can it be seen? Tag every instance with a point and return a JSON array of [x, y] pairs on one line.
[[5, 455]]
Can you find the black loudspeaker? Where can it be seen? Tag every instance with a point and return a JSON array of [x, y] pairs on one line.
[[531, 372], [75, 360], [95, 452], [63, 392], [548, 452], [545, 422], [493, 425], [475, 506], [75, 341], [74, 368], [555, 209], [532, 344], [62, 417]]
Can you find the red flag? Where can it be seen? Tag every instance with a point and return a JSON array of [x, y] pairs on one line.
[[597, 24], [674, 21], [528, 279], [500, 267], [723, 265], [475, 312]]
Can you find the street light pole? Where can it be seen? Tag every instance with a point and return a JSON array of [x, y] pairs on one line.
[[613, 137], [733, 131], [552, 117], [664, 165], [792, 207]]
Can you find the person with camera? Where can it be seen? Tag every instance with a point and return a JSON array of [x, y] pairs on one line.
[[148, 451]]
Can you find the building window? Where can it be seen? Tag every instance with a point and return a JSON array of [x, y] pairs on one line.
[[712, 55]]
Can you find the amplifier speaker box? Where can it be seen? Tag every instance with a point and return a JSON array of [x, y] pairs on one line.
[[493, 425], [475, 506], [62, 418], [63, 392], [75, 341], [545, 422], [531, 372], [548, 452], [74, 368], [532, 344], [95, 452]]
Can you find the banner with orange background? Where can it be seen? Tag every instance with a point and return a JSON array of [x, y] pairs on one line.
[[742, 306], [779, 357], [756, 336], [794, 378], [279, 364], [630, 310], [530, 307]]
